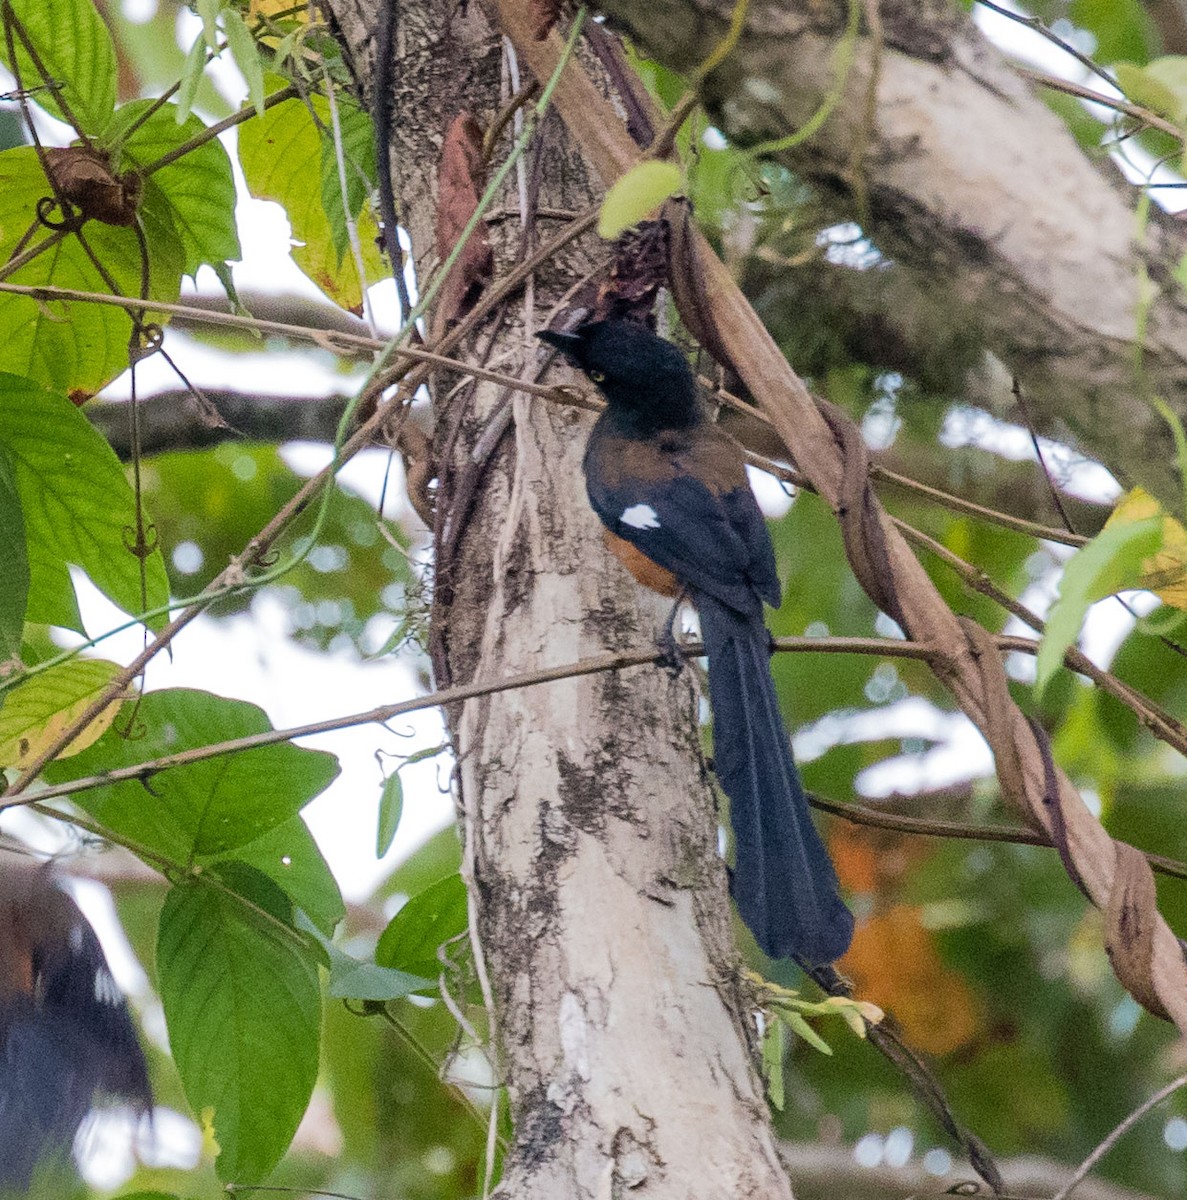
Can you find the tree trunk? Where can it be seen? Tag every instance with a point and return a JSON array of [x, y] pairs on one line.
[[598, 898]]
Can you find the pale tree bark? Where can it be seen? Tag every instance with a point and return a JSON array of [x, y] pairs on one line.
[[589, 824], [961, 173]]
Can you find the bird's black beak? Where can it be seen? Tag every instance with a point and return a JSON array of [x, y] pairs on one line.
[[568, 344]]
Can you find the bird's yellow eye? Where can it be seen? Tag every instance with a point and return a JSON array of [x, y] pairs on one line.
[[597, 376]]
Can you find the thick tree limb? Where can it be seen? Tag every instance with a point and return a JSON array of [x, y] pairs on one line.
[[972, 183], [171, 421]]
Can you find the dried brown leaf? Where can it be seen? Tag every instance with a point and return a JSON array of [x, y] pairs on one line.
[[460, 182], [640, 268], [83, 176]]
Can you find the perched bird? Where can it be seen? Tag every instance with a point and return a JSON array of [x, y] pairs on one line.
[[66, 1035], [671, 489]]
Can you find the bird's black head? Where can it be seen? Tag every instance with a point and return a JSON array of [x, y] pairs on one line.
[[644, 378]]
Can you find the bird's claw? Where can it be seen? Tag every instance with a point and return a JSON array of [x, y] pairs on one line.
[[671, 656]]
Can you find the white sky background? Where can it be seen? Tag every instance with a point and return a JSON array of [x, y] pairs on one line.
[[250, 657]]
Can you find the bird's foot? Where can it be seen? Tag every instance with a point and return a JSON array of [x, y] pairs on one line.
[[670, 653]]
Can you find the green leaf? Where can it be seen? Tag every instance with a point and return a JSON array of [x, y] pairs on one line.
[[1109, 563], [77, 506], [1161, 86], [358, 154], [391, 806], [42, 707], [208, 10], [14, 565], [1123, 28], [76, 348], [429, 920], [281, 155], [290, 857], [798, 1025], [198, 812], [243, 1010], [351, 979], [774, 1049], [197, 192], [643, 188], [246, 55], [75, 48], [191, 77]]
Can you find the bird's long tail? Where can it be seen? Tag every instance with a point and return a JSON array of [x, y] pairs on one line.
[[784, 883]]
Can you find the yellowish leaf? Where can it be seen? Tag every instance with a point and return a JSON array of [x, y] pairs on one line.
[[279, 8], [1164, 573], [39, 710]]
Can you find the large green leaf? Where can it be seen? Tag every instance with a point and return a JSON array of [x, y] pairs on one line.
[[198, 190], [14, 564], [201, 811], [243, 1008], [281, 155], [77, 506], [358, 156], [76, 347], [290, 857], [77, 54]]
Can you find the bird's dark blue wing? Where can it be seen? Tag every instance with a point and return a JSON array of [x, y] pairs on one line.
[[710, 535], [745, 517]]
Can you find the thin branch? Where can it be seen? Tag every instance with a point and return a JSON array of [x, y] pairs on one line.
[[1114, 1137], [15, 263], [1048, 533], [863, 814], [212, 131], [1019, 394], [858, 814], [1156, 719], [888, 647], [1037, 25], [1084, 93]]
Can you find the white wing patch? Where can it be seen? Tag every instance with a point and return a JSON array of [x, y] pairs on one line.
[[640, 516]]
